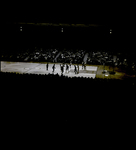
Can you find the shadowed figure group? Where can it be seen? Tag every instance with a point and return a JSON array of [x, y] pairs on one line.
[[62, 68], [76, 67], [53, 67]]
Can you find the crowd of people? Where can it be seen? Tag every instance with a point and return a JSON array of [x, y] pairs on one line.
[[100, 57], [46, 55], [124, 61], [71, 56], [36, 55], [94, 57]]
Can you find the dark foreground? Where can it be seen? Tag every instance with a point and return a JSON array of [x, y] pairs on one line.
[[68, 112]]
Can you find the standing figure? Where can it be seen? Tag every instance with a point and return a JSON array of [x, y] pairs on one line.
[[53, 67], [62, 69], [67, 68], [47, 65], [84, 66], [77, 68]]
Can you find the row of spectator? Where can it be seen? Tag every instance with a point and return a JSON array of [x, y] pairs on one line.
[[73, 56], [108, 58], [47, 55], [31, 55], [68, 56]]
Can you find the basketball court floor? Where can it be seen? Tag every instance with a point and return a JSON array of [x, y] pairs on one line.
[[40, 68], [91, 71]]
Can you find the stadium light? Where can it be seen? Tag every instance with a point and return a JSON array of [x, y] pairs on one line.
[[110, 31], [20, 28], [61, 29]]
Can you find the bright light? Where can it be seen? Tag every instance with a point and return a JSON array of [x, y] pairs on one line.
[[61, 29], [106, 74], [20, 28], [110, 31]]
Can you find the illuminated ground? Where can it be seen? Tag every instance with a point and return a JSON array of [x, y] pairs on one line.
[[40, 68], [91, 71]]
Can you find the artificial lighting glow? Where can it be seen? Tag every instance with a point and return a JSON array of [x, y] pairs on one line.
[[20, 28], [110, 32], [106, 74], [61, 29]]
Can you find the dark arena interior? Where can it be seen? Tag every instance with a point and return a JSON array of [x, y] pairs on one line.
[[68, 77]]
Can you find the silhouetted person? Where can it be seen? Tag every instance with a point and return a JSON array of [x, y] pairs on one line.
[[78, 68], [67, 67], [62, 68], [84, 66], [75, 70], [47, 65], [53, 67]]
